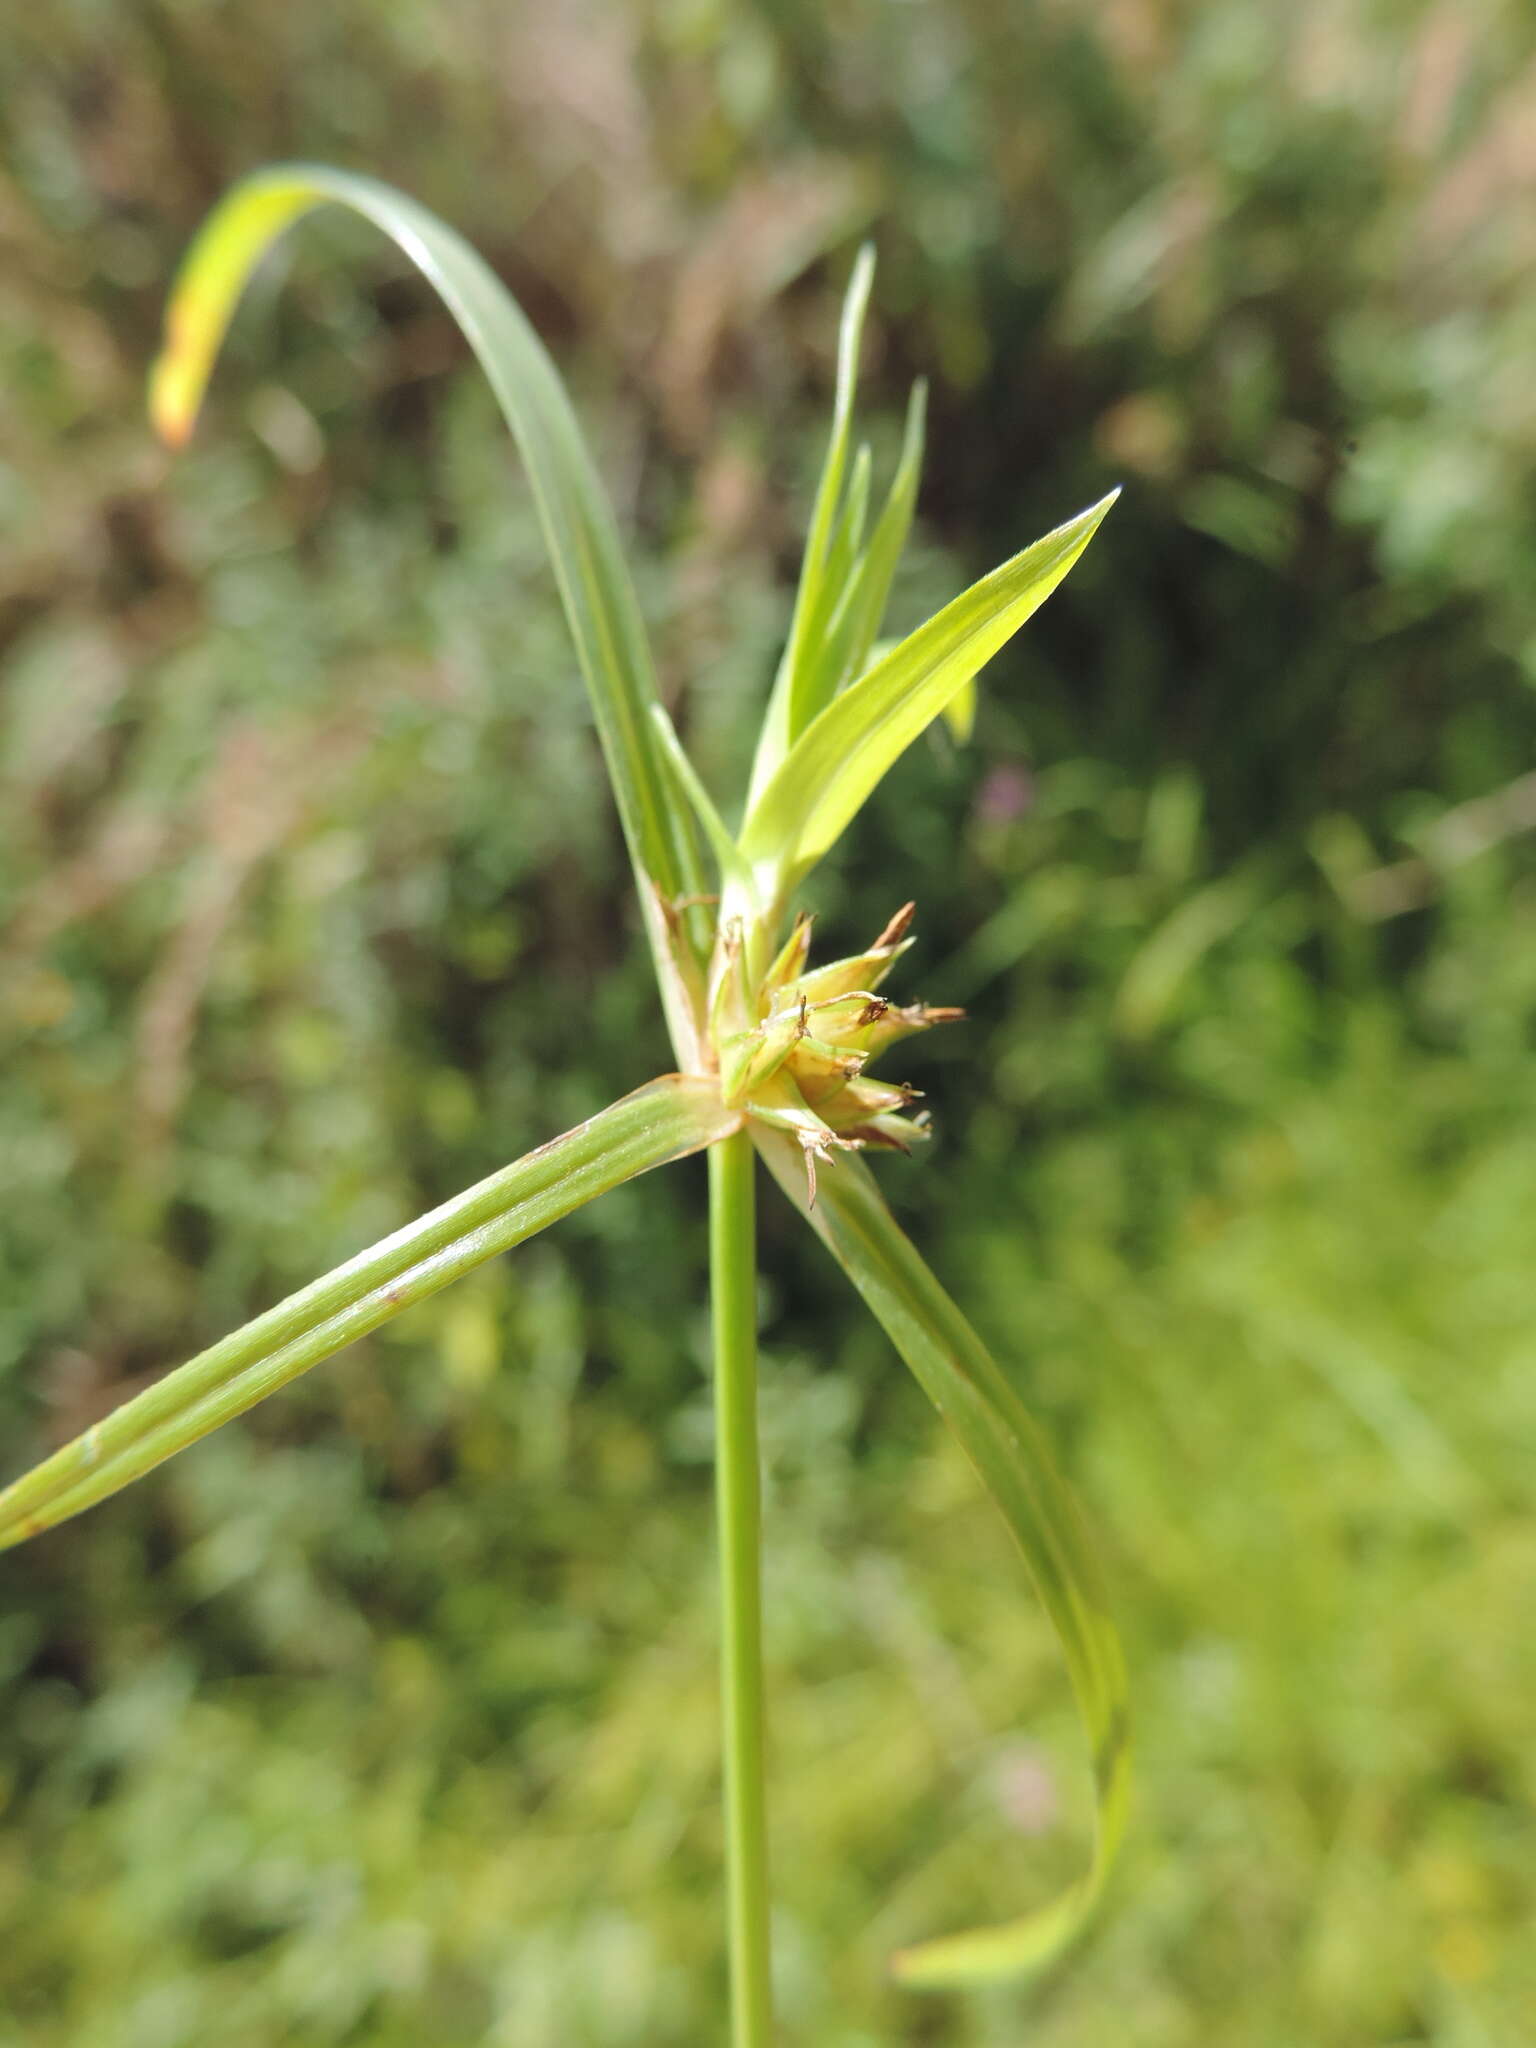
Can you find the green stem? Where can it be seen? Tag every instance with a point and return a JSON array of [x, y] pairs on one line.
[[733, 1277]]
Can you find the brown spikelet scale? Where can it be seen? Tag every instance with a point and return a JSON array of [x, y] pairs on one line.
[[898, 927]]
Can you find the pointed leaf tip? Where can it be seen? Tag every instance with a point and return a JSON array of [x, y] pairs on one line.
[[829, 771]]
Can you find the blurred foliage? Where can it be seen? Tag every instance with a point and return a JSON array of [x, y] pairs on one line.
[[389, 1714]]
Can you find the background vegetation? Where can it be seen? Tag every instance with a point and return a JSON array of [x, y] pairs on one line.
[[388, 1715]]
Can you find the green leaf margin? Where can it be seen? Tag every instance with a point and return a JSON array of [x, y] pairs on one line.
[[665, 1120], [596, 590], [837, 761], [1014, 1464]]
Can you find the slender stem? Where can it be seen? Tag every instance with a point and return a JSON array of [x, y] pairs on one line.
[[733, 1277]]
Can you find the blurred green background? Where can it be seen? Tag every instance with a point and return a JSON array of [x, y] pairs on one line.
[[388, 1715]]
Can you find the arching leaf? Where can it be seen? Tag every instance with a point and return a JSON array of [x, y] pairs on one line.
[[595, 586]]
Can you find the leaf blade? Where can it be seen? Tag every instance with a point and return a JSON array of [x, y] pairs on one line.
[[786, 714], [867, 600], [1012, 1460], [837, 761], [665, 1120], [690, 785], [596, 590]]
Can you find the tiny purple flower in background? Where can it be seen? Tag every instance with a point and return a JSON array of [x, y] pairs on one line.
[[1024, 1785], [1007, 793]]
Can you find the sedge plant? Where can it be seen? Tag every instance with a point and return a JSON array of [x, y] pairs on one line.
[[773, 1052]]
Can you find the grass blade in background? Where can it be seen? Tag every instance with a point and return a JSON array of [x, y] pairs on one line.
[[963, 1381], [667, 1119], [838, 760], [595, 585]]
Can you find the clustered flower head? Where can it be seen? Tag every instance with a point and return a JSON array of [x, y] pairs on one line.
[[793, 1052]]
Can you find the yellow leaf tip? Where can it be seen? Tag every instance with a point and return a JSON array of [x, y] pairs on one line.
[[172, 401]]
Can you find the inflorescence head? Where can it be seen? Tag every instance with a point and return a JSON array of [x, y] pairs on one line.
[[799, 1063]]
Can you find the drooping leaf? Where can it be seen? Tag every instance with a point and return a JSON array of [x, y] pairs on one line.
[[838, 760], [667, 1119], [595, 586], [1010, 1456]]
